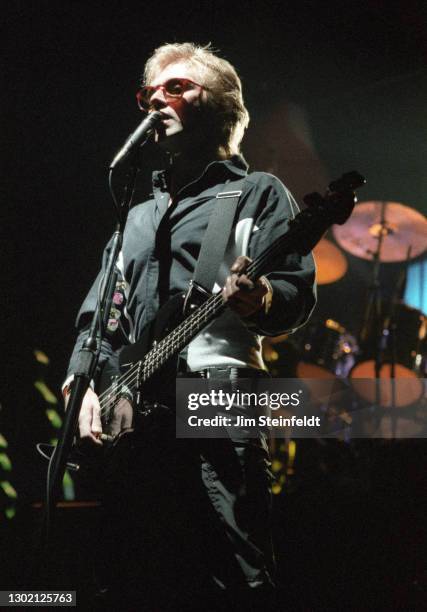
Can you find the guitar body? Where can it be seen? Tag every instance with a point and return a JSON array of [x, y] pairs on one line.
[[161, 386], [158, 391]]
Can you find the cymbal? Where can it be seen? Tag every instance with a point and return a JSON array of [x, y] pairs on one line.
[[331, 263], [403, 227]]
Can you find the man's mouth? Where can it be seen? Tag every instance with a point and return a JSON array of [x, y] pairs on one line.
[[166, 117]]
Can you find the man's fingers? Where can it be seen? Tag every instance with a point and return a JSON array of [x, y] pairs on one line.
[[244, 296], [234, 283], [90, 426], [243, 282], [115, 423], [238, 287], [127, 414], [240, 264], [122, 417], [85, 429], [85, 423], [96, 426], [91, 440]]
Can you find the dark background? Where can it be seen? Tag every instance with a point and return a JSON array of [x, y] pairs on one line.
[[331, 87]]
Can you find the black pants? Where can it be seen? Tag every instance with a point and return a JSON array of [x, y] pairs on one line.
[[187, 523]]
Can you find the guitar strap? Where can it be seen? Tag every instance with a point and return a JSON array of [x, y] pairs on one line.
[[216, 237]]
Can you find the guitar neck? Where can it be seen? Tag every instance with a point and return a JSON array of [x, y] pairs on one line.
[[182, 335]]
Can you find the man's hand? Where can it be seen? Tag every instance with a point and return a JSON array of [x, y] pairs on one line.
[[122, 417], [90, 426], [242, 295]]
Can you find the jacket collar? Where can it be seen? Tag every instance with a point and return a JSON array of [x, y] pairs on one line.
[[218, 170]]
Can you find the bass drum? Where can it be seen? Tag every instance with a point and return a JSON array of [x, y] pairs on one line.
[[326, 350], [410, 359], [326, 355]]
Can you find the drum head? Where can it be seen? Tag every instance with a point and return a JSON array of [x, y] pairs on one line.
[[408, 386], [312, 370]]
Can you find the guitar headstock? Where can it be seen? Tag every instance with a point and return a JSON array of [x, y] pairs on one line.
[[335, 206]]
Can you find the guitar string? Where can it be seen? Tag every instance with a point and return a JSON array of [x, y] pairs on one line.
[[155, 357], [151, 364], [154, 354], [203, 312]]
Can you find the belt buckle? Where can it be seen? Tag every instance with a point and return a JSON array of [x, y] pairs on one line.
[[219, 372]]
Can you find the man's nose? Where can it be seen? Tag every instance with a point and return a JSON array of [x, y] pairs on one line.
[[158, 99]]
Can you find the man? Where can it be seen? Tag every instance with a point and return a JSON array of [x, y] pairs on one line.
[[195, 516]]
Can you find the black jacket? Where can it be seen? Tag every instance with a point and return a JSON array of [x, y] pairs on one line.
[[161, 246]]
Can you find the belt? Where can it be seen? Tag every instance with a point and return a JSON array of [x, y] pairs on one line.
[[230, 372]]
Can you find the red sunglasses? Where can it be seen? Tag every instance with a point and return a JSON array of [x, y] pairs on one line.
[[172, 88]]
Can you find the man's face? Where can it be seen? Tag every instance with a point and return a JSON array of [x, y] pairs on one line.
[[183, 125]]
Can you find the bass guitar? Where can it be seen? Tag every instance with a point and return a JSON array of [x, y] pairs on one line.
[[148, 365]]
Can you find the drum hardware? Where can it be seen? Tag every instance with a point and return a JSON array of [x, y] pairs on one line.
[[387, 424], [391, 342], [402, 348], [395, 226], [322, 353], [327, 350], [383, 336]]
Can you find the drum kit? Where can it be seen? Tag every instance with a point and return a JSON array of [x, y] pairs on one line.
[[390, 349]]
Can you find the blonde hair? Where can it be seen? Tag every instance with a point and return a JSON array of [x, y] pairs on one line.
[[223, 88]]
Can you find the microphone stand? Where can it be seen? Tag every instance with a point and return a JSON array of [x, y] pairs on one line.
[[87, 359]]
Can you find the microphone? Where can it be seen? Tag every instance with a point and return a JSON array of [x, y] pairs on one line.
[[144, 129]]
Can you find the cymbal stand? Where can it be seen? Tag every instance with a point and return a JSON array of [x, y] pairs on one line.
[[391, 327], [373, 313]]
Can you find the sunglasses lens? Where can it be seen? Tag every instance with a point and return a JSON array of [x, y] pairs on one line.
[[175, 87], [144, 96]]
